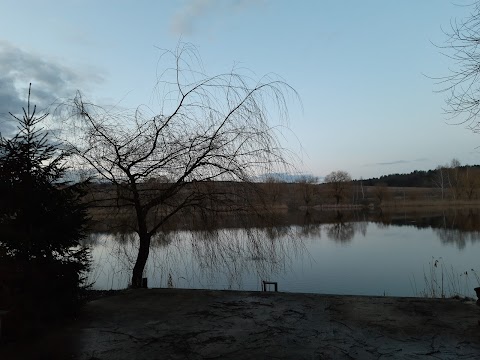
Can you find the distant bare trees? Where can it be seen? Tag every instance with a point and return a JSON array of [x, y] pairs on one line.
[[470, 180], [440, 179], [456, 181], [273, 190], [453, 177], [309, 188], [447, 178], [381, 192], [207, 129], [339, 183]]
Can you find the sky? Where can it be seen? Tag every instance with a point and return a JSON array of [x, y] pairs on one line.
[[363, 69]]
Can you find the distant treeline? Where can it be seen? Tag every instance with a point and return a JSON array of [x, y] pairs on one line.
[[417, 178]]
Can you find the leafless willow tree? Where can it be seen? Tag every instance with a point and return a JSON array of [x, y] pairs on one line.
[[462, 84], [209, 137]]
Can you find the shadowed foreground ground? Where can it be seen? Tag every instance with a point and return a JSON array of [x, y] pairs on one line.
[[198, 324]]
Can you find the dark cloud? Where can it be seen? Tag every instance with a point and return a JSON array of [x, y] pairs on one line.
[[9, 101], [396, 162], [393, 162], [50, 80]]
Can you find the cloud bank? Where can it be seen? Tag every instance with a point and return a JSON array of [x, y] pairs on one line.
[[50, 80]]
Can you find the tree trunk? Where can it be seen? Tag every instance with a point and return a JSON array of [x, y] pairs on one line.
[[142, 257], [143, 235]]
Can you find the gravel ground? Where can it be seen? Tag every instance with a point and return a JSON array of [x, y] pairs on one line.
[[201, 324]]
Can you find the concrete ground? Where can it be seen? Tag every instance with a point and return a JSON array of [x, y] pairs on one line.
[[200, 324]]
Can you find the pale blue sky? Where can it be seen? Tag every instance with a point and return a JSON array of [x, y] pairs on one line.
[[358, 67]]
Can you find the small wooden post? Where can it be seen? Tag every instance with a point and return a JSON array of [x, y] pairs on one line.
[[145, 282], [265, 283]]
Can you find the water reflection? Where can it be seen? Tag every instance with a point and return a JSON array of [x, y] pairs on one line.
[[198, 259], [341, 232], [453, 226], [353, 254], [309, 228]]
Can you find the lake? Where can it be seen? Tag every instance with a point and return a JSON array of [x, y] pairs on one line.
[[355, 253]]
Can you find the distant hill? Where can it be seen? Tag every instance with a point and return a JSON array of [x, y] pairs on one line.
[[417, 178]]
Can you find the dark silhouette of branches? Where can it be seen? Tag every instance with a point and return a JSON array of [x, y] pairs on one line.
[[461, 47], [209, 132], [339, 183]]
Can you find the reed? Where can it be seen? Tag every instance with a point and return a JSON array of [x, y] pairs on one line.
[[443, 281]]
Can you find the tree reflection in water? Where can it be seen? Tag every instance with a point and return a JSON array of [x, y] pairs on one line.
[[452, 226], [263, 253], [459, 228], [310, 228], [240, 257], [341, 232], [199, 258]]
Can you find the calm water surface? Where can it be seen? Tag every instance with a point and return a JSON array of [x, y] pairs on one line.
[[398, 256]]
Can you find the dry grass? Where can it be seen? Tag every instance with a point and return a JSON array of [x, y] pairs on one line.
[[281, 198], [431, 203]]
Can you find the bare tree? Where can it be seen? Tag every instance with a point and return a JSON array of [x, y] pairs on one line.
[[440, 179], [453, 172], [273, 190], [469, 182], [211, 137], [362, 188], [380, 191], [339, 183], [461, 47], [309, 188]]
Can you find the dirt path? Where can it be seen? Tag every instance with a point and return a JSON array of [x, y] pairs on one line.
[[197, 324]]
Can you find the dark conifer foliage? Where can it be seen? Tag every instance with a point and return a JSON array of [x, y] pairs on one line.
[[417, 178], [42, 220]]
